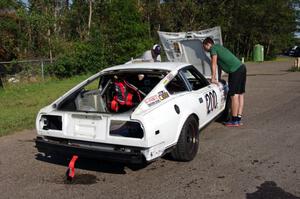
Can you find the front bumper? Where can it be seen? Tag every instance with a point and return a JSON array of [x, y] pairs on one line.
[[118, 153]]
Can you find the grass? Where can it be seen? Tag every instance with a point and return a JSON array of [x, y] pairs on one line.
[[20, 103], [278, 59], [283, 58]]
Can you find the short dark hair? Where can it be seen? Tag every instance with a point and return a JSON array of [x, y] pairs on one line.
[[156, 49], [208, 40]]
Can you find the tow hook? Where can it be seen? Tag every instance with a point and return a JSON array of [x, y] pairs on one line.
[[71, 169]]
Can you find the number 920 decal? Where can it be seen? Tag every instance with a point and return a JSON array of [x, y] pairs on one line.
[[211, 101]]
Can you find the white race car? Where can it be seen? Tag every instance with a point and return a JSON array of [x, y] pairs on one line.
[[133, 112]]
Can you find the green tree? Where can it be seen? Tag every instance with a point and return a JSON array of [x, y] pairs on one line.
[[10, 29], [87, 35], [125, 32]]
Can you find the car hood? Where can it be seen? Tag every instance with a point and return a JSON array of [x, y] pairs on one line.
[[187, 47]]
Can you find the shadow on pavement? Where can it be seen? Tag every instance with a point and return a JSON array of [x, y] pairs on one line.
[[269, 190], [80, 179], [90, 164]]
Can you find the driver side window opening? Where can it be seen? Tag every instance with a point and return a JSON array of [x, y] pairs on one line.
[[194, 78], [176, 85]]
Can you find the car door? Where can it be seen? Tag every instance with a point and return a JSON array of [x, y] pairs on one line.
[[206, 94]]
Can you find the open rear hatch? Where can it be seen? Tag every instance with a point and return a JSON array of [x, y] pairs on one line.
[[187, 47], [102, 106]]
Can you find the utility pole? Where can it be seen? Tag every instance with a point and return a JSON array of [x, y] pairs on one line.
[[90, 16]]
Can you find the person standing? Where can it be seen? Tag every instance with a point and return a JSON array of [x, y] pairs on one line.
[[152, 55], [229, 63]]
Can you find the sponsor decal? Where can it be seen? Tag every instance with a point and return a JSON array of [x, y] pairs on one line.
[[163, 95], [169, 77], [152, 100], [153, 103]]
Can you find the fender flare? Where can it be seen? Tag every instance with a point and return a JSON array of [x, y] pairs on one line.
[[185, 117]]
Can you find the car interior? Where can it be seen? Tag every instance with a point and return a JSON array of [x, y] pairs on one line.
[[113, 92]]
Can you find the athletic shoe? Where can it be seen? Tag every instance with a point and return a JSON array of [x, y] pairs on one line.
[[232, 123], [239, 118]]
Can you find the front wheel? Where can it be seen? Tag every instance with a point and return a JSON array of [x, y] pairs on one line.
[[188, 141]]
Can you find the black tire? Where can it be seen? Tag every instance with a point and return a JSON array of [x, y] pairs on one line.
[[188, 141]]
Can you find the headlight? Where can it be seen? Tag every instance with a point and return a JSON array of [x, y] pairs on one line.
[[126, 129]]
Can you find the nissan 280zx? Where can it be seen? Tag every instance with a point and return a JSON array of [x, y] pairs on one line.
[[132, 113]]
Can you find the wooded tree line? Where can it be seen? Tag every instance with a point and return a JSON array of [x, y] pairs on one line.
[[87, 35]]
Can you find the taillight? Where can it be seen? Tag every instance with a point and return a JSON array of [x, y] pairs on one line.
[[126, 129], [52, 122]]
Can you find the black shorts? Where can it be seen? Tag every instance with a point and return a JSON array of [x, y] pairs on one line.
[[237, 81]]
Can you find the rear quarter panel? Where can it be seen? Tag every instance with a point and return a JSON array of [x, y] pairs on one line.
[[167, 121]]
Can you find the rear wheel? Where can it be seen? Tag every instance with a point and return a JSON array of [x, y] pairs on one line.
[[188, 142]]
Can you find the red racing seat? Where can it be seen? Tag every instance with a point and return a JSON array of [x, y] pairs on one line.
[[122, 95]]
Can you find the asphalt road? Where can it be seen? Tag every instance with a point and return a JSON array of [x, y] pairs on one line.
[[259, 160]]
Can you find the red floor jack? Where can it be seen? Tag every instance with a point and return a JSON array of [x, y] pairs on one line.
[[71, 169]]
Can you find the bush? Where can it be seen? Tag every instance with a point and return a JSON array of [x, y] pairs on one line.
[[122, 36], [80, 59]]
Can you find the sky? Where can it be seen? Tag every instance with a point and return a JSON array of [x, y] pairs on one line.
[[25, 1]]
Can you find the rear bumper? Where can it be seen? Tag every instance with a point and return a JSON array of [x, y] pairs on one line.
[[50, 145]]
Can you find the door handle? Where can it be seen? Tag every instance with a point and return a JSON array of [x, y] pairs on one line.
[[200, 100]]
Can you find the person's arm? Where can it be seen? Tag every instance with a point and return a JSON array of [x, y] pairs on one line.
[[158, 58], [214, 69]]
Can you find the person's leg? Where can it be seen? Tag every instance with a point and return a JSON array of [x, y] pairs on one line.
[[242, 92], [234, 111], [240, 109], [241, 105], [234, 100], [237, 82], [235, 105]]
